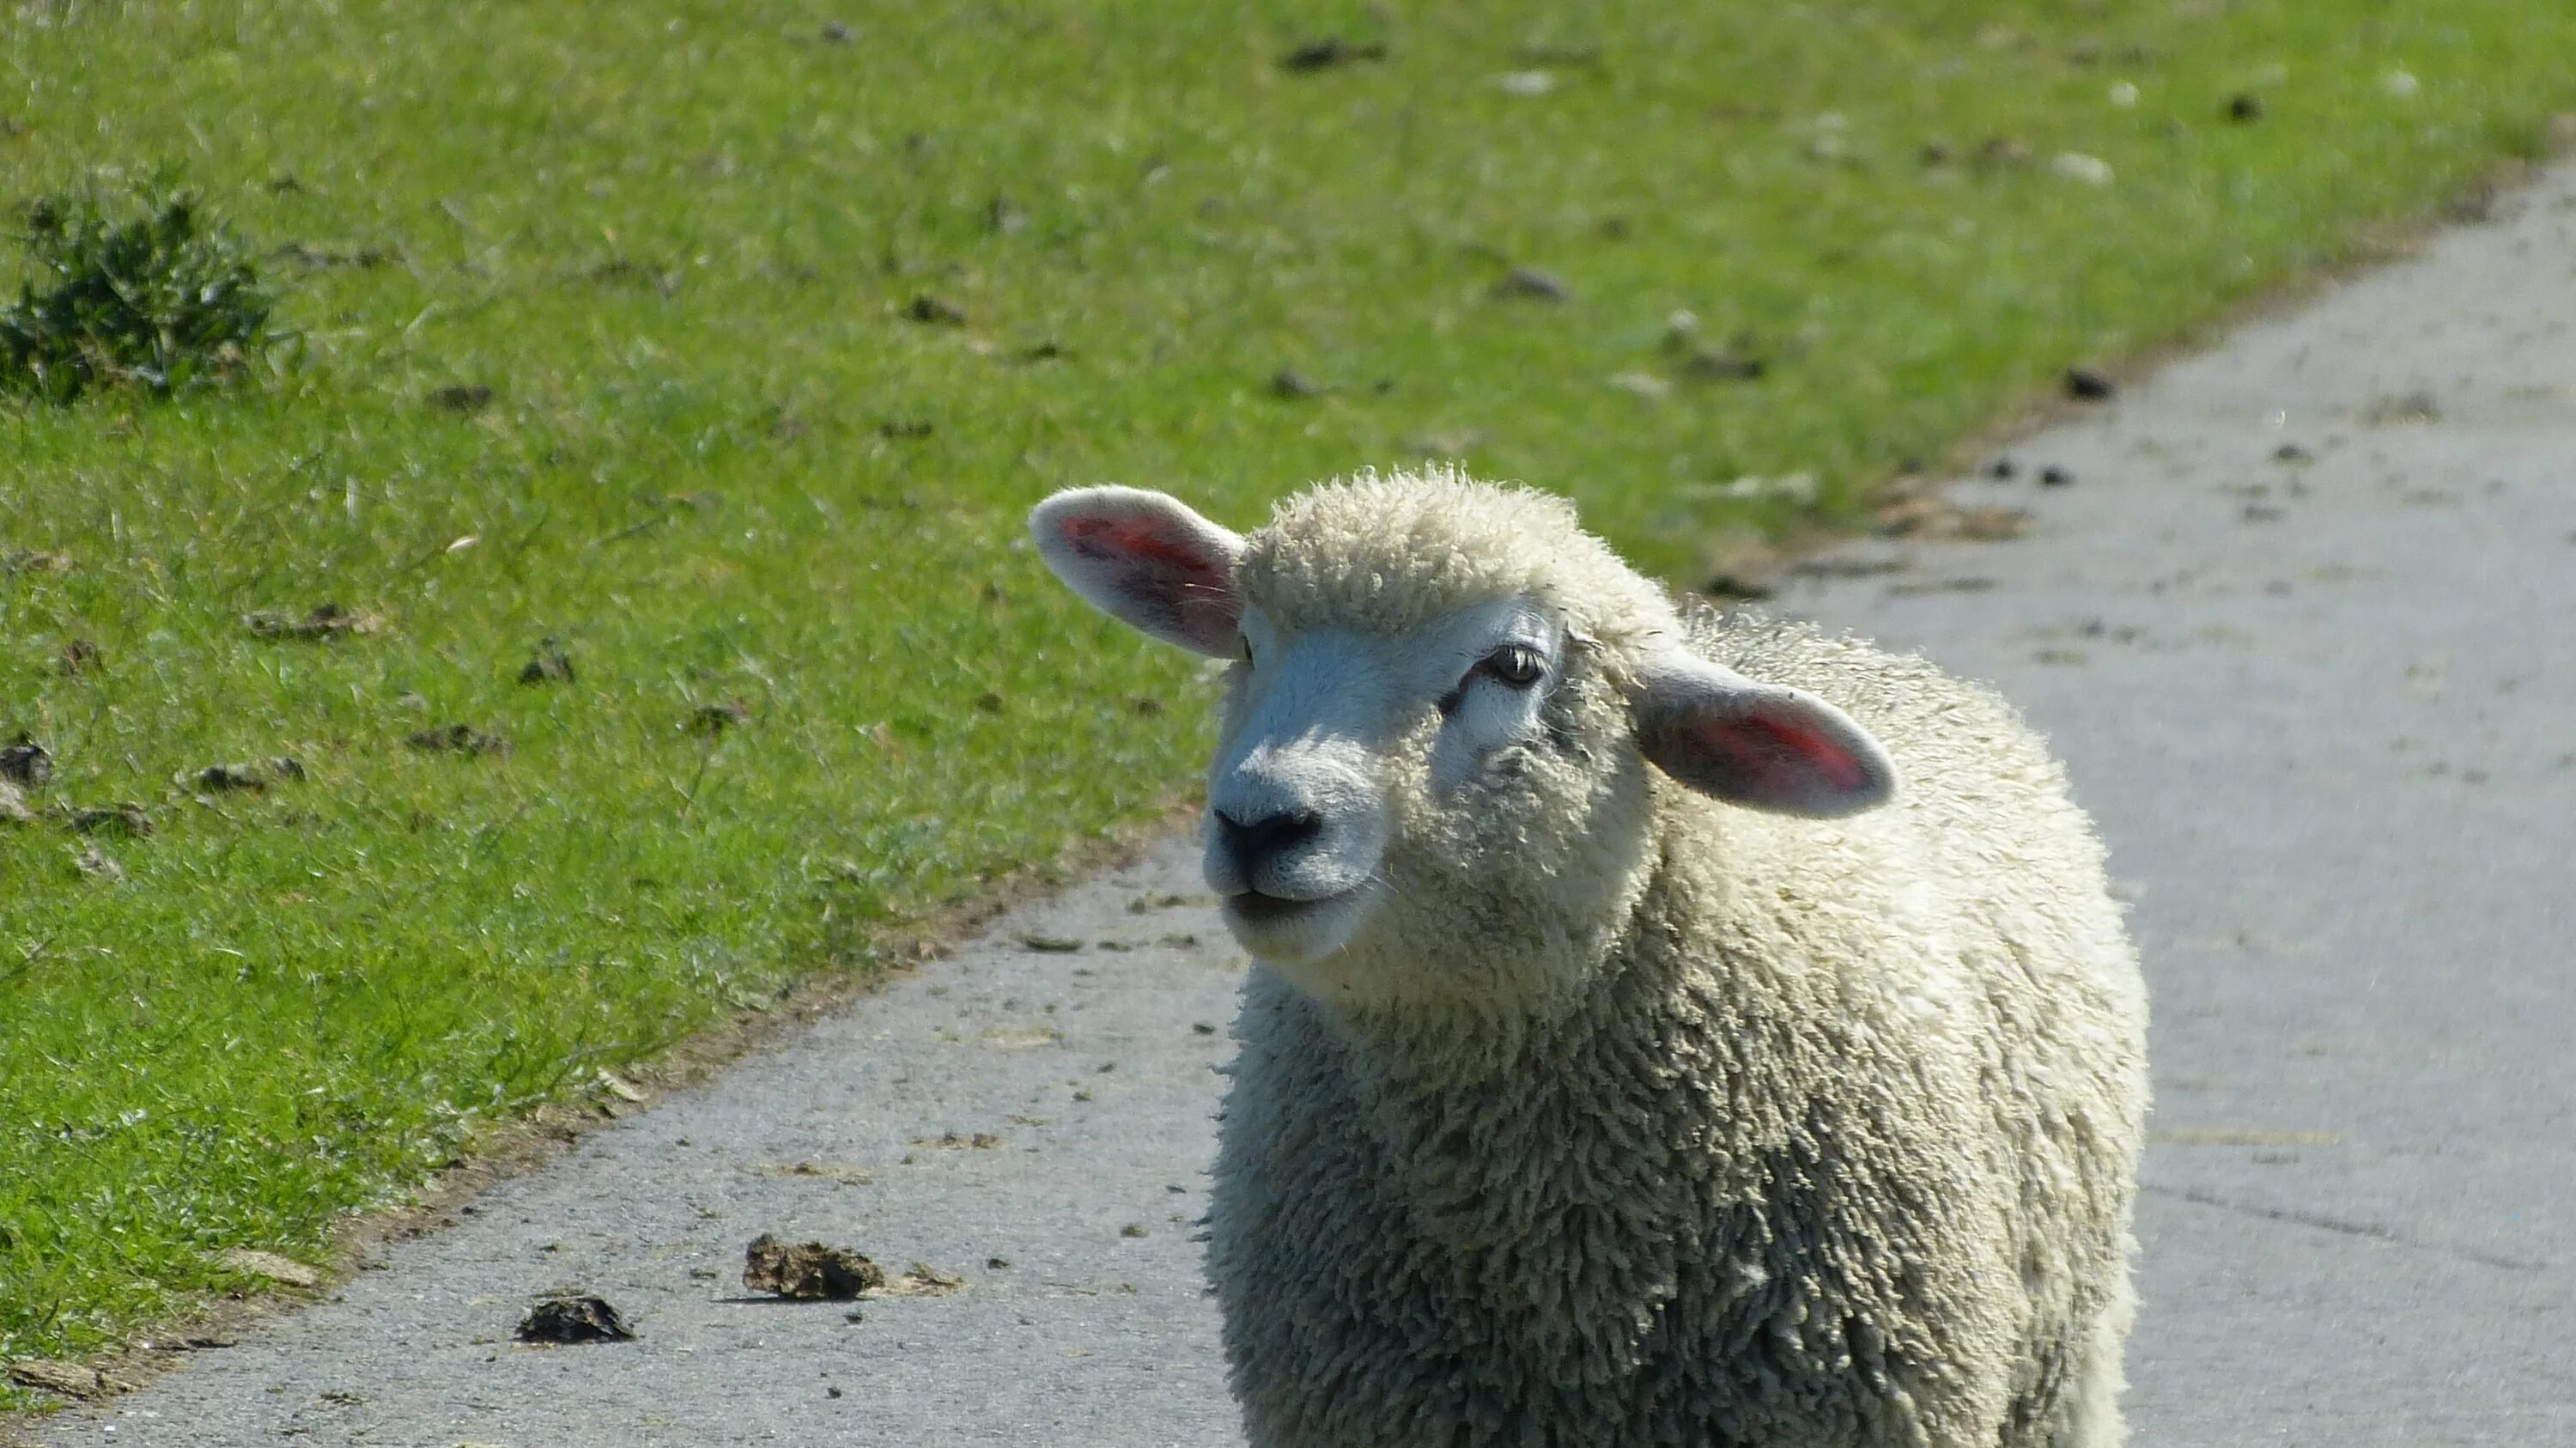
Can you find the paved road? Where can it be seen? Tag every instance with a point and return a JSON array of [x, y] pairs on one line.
[[2324, 705]]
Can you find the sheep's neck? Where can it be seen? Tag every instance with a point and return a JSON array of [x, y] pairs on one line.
[[1617, 987]]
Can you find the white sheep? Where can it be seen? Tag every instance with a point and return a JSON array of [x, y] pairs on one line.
[[1614, 1070]]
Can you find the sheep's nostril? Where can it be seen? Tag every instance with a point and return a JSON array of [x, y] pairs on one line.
[[1252, 843]]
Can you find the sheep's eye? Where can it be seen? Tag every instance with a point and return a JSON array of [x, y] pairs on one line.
[[1515, 666]]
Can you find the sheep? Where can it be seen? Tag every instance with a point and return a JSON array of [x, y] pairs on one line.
[[1665, 1029]]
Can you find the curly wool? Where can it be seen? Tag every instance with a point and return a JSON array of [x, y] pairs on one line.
[[1755, 1131]]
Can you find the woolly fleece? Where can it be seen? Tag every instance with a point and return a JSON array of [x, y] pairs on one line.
[[1640, 1119]]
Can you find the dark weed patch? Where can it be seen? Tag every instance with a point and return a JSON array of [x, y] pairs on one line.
[[157, 295]]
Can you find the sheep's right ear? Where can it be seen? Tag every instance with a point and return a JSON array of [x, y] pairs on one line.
[[1147, 560]]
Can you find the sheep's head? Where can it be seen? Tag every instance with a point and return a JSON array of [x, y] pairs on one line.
[[1433, 776]]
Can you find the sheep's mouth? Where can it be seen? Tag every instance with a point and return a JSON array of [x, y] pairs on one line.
[[1255, 908], [1287, 931]]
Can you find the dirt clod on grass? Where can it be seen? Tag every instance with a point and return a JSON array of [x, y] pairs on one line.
[[314, 257], [326, 621], [1999, 153], [252, 778], [627, 271], [33, 561], [717, 718], [935, 311], [1532, 284], [269, 1265], [548, 665], [456, 739], [1292, 385], [26, 762], [128, 819], [1722, 364], [810, 1272], [463, 399], [97, 864], [574, 1319], [1329, 53], [79, 656]]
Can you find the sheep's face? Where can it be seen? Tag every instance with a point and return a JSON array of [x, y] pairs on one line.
[[1432, 781], [1357, 772]]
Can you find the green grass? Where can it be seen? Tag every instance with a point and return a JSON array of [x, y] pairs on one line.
[[678, 242]]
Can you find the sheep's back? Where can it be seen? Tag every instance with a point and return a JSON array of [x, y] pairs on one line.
[[1988, 888]]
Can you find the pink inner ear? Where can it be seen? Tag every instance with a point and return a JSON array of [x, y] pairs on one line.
[[1138, 540], [1766, 747], [1172, 584]]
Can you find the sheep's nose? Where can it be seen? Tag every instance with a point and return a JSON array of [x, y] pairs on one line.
[[1256, 842]]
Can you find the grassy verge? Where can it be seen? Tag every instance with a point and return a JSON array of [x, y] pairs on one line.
[[714, 350]]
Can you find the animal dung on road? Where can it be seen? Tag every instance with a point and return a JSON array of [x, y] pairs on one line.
[[573, 1319], [923, 1280], [808, 1272], [2086, 385]]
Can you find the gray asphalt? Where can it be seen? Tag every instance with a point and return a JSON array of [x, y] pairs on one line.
[[2324, 707]]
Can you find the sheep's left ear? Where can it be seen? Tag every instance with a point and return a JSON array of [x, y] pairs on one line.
[[1147, 560], [1763, 746]]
